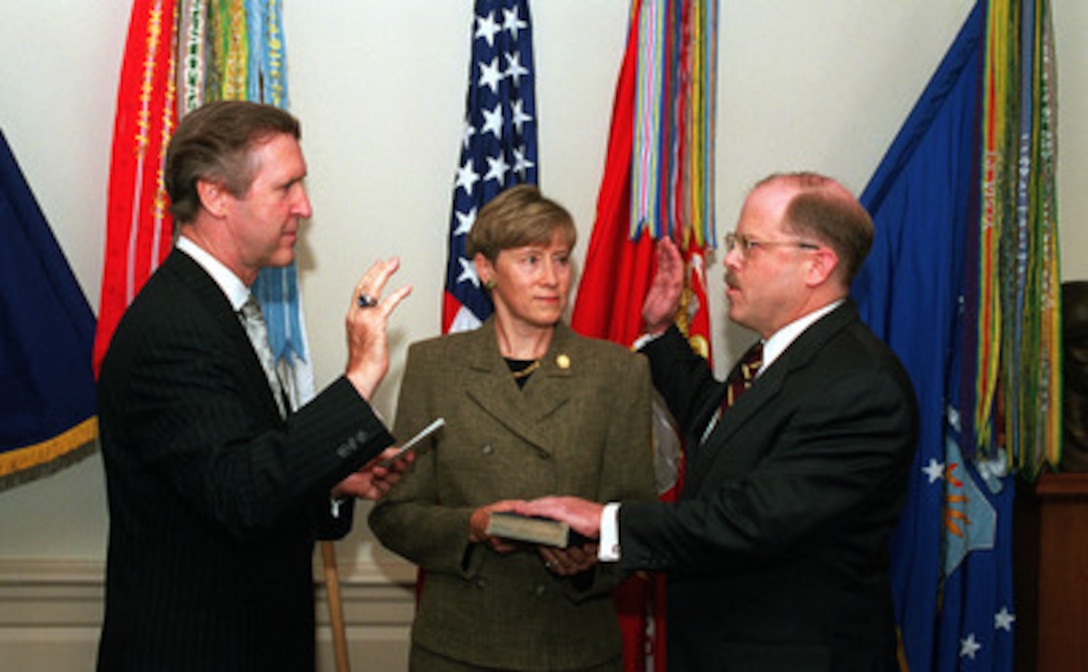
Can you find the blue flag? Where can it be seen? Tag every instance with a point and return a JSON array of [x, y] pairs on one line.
[[47, 418], [952, 552], [499, 147]]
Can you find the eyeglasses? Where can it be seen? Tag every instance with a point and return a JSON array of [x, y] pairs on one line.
[[748, 244]]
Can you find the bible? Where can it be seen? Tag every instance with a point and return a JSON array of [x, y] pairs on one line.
[[533, 529]]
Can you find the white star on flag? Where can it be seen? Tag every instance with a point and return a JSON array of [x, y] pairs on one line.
[[493, 122], [464, 222], [511, 22], [519, 116], [1004, 619], [934, 470], [521, 163], [496, 169], [468, 273], [490, 75], [514, 69], [969, 646], [467, 177], [486, 28]]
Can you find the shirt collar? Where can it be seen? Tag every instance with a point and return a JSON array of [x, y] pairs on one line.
[[781, 339], [232, 286]]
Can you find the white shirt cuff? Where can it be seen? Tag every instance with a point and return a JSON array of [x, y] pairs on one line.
[[608, 550], [644, 339], [334, 506]]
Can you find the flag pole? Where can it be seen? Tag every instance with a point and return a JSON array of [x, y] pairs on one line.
[[336, 609]]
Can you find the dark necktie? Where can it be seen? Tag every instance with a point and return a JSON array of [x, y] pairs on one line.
[[744, 375], [738, 382]]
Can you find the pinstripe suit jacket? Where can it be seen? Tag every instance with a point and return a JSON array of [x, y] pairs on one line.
[[777, 550], [580, 426], [214, 500]]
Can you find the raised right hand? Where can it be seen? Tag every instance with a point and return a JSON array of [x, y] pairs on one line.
[[368, 349], [663, 298]]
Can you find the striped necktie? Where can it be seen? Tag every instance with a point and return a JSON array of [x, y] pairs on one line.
[[253, 320], [738, 382], [744, 375]]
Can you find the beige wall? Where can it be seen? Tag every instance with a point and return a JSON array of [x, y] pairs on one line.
[[379, 86]]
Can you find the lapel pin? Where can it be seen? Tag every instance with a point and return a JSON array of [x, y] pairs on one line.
[[562, 361]]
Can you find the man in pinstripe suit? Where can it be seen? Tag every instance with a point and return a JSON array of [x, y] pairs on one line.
[[216, 495]]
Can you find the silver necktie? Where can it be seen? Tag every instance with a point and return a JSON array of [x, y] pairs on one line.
[[253, 320]]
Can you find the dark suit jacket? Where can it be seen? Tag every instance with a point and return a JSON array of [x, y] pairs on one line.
[[581, 426], [214, 500], [777, 550]]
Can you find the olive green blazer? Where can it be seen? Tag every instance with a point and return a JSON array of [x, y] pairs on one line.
[[580, 426]]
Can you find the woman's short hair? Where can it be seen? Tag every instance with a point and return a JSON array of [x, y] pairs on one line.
[[517, 217], [213, 143]]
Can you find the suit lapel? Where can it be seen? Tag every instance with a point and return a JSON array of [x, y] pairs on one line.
[[746, 409], [768, 384], [525, 412], [551, 387], [210, 295]]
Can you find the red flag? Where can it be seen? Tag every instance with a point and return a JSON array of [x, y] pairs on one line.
[[605, 308], [138, 226], [618, 270], [615, 278]]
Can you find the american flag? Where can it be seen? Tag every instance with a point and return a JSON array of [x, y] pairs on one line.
[[499, 147]]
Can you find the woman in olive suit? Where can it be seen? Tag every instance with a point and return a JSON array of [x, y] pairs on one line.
[[531, 408]]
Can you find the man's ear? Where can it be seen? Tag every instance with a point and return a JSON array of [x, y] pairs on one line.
[[213, 197], [824, 263]]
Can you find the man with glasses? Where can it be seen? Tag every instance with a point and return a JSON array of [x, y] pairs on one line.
[[777, 549]]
